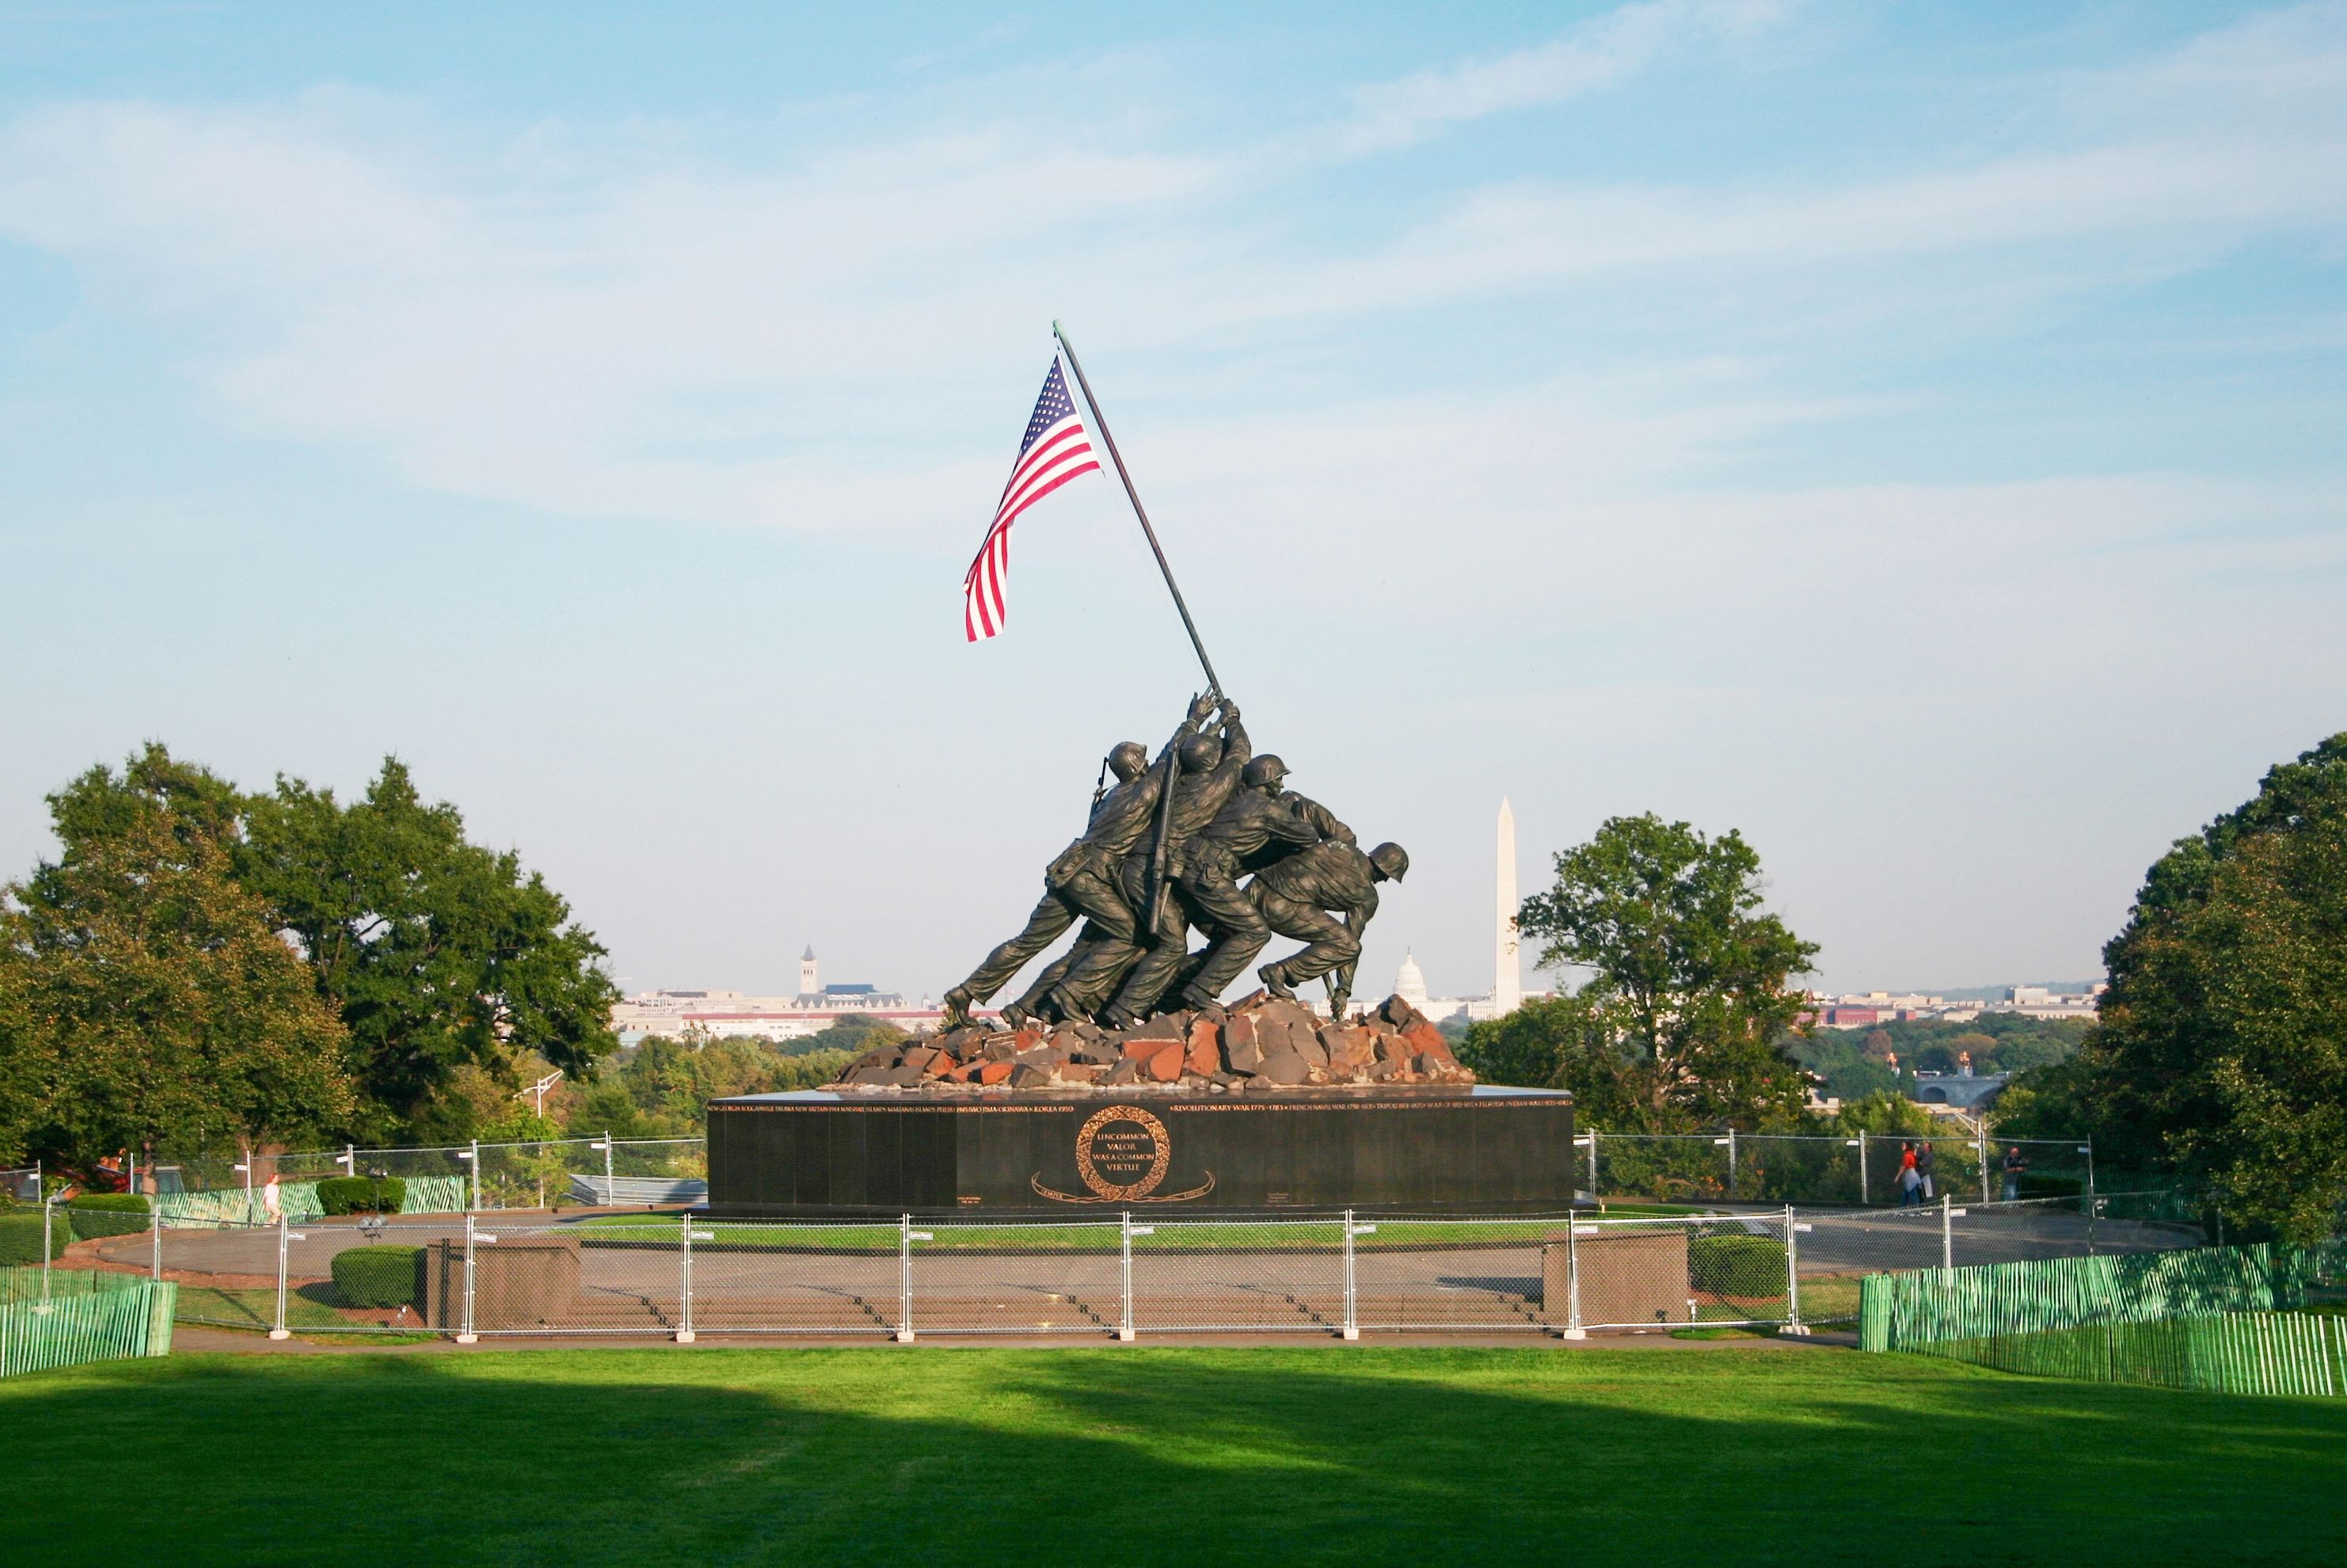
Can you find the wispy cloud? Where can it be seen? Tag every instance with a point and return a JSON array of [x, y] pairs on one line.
[[1601, 53]]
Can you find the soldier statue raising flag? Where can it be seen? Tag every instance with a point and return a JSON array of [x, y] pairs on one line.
[[1164, 850]]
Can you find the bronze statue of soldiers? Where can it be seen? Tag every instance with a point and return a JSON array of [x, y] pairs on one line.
[[1258, 825], [1081, 884], [1296, 895], [1204, 783]]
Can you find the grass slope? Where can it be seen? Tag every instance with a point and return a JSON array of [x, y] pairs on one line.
[[1143, 1457]]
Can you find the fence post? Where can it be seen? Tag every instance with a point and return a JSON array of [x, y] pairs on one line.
[[905, 1280], [1865, 1194], [155, 1213], [1731, 1164], [1352, 1317], [611, 1183], [48, 1222], [476, 1162], [1125, 1282], [1572, 1328], [1947, 1233], [1983, 1157], [684, 1279], [1592, 1164], [278, 1329], [1793, 1324], [465, 1334]]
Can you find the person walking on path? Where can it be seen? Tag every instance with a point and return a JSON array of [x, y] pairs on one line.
[[1925, 1163], [1911, 1181], [2014, 1165]]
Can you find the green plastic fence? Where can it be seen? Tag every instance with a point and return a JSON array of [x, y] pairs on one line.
[[1932, 1307], [78, 1314], [435, 1195], [2231, 1353], [234, 1206]]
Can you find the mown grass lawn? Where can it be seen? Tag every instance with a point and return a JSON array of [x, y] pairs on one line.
[[1138, 1456]]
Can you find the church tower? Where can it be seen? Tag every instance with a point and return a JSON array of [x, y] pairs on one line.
[[809, 984], [1507, 980]]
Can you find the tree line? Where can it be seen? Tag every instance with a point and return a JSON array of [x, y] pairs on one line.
[[203, 968], [2219, 1056]]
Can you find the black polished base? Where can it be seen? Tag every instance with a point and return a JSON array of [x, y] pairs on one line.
[[819, 1154]]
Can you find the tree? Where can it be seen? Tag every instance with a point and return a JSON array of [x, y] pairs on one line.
[[435, 952], [1687, 969], [1564, 1043], [2222, 1044], [145, 998]]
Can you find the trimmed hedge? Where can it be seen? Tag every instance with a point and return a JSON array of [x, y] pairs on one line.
[[20, 1235], [360, 1195], [107, 1214], [378, 1276], [1737, 1264]]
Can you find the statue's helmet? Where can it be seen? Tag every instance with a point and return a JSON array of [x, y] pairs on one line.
[[1391, 859], [1128, 760], [1264, 770], [1201, 753]]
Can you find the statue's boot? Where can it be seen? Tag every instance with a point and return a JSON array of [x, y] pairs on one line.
[[957, 1008], [1275, 980]]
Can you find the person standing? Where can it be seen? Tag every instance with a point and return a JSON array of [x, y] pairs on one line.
[[1911, 1181], [1925, 1164], [2015, 1163]]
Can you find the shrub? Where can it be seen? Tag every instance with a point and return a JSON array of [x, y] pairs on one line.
[[20, 1235], [358, 1195], [107, 1214], [1737, 1264], [377, 1276]]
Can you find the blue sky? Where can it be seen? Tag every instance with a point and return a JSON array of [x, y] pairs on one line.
[[1911, 436]]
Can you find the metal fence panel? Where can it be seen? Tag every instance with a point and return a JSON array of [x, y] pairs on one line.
[[1243, 1275]]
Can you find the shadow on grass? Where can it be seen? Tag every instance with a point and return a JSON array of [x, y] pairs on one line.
[[1145, 1457]]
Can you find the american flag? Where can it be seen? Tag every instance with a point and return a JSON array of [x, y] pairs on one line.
[[1056, 450]]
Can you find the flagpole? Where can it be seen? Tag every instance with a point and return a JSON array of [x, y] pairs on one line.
[[1212, 684]]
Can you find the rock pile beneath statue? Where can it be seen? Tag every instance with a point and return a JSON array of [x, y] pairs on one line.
[[1261, 1043]]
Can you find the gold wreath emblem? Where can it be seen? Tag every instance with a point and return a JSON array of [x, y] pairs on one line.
[[1105, 1191], [1162, 1156]]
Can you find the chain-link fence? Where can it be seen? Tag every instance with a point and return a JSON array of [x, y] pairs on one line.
[[1859, 1171], [690, 1275], [452, 1179]]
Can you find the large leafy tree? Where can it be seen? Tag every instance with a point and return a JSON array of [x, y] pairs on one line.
[[1688, 971], [2222, 1046], [147, 1000], [436, 953]]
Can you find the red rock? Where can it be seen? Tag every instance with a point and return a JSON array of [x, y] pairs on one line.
[[1167, 1065], [1125, 1071], [1205, 1057], [996, 1071], [1077, 1072], [1142, 1049], [1427, 1040]]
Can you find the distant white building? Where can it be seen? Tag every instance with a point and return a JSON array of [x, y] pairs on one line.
[[733, 1015]]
